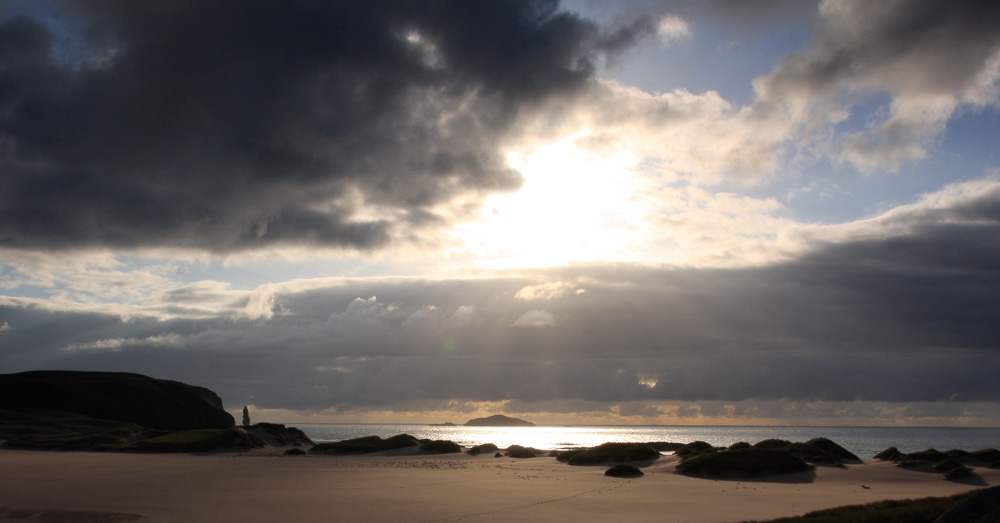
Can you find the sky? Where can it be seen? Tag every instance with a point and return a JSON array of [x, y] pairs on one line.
[[773, 212]]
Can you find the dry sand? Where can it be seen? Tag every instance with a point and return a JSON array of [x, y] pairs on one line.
[[112, 487]]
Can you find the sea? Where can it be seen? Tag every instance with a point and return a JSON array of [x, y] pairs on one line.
[[864, 442]]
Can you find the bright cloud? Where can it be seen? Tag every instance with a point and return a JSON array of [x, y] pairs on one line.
[[671, 28], [160, 341], [547, 291]]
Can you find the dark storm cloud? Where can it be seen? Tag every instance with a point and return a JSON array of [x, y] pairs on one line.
[[918, 45], [907, 317], [228, 125]]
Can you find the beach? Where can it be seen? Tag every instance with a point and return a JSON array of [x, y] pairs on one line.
[[410, 486]]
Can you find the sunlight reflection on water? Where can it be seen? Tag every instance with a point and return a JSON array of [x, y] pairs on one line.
[[539, 437], [863, 441]]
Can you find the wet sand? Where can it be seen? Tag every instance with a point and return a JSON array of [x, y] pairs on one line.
[[91, 486]]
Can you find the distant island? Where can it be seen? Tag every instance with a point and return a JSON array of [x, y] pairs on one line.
[[498, 420]]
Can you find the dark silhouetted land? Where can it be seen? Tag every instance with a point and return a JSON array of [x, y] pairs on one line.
[[498, 420]]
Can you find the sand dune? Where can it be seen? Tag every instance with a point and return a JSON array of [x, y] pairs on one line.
[[421, 488]]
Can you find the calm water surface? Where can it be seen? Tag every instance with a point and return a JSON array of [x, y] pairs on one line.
[[865, 442]]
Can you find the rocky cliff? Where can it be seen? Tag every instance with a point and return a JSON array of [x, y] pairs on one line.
[[133, 398]]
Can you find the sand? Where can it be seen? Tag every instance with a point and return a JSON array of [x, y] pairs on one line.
[[106, 487]]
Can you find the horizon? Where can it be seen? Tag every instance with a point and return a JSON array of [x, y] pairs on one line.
[[636, 213], [543, 425]]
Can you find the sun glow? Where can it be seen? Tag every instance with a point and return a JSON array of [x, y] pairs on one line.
[[577, 204]]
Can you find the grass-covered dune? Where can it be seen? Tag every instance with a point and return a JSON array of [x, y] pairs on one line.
[[63, 431], [609, 453], [202, 440], [520, 452], [752, 462], [485, 447], [770, 456], [624, 470], [922, 510], [952, 464], [365, 445], [370, 444]]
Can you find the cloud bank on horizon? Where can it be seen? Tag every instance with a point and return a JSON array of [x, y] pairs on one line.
[[367, 211]]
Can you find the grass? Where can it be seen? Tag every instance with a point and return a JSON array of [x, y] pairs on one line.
[[441, 446], [751, 462], [624, 470], [64, 431], [772, 444], [932, 455], [923, 510], [69, 431], [889, 454], [517, 451], [609, 453], [69, 441], [485, 447], [959, 473], [200, 440], [365, 445], [951, 464], [990, 455], [770, 456], [811, 453], [694, 448], [839, 453]]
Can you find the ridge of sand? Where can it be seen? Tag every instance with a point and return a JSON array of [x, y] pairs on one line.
[[428, 488]]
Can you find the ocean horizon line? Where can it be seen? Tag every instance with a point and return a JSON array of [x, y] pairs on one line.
[[987, 427]]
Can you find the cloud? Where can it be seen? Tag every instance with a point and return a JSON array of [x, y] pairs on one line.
[[547, 291], [362, 316], [94, 274], [168, 340], [260, 305], [132, 157], [895, 309], [930, 58], [224, 126], [874, 89], [671, 28], [535, 318]]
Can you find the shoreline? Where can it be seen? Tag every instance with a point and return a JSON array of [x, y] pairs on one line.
[[415, 486]]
